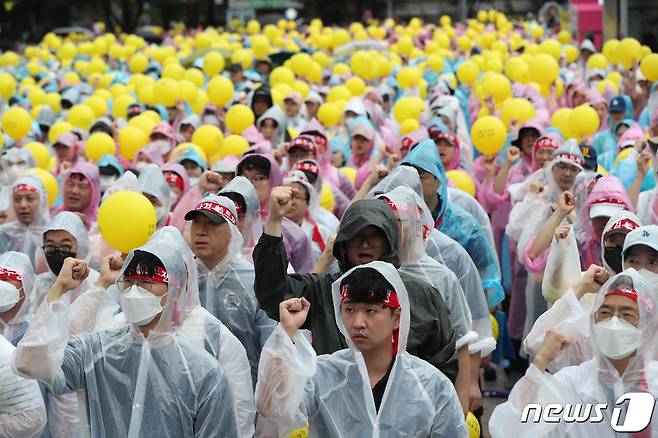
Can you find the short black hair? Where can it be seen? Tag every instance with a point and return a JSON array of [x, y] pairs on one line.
[[143, 263], [622, 282], [366, 285], [236, 198], [108, 171], [311, 177]]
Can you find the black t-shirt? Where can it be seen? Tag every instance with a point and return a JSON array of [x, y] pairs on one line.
[[378, 389]]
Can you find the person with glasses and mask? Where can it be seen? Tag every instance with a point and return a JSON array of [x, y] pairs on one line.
[[368, 232], [622, 349]]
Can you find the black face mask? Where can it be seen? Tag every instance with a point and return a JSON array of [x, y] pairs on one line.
[[56, 259], [612, 257]]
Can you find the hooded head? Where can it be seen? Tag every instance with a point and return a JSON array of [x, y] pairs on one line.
[[425, 157], [256, 166], [72, 225], [16, 281], [149, 154], [358, 335], [163, 136], [641, 249], [275, 135], [367, 231], [302, 208], [153, 185], [81, 188], [543, 150], [613, 237], [178, 181], [607, 198], [623, 325], [245, 199], [168, 249], [261, 100], [567, 163]]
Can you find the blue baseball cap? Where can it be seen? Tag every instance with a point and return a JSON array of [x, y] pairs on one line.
[[617, 105]]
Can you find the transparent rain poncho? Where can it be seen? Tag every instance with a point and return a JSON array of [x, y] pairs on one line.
[[161, 384], [457, 223], [333, 394], [13, 330], [253, 223], [593, 381], [227, 292], [152, 182], [22, 412], [16, 236], [416, 262], [448, 252], [72, 224]]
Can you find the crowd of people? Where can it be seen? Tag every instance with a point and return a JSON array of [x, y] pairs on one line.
[[324, 231]]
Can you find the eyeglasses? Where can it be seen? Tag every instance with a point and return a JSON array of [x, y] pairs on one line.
[[374, 240], [565, 166], [605, 313], [51, 249], [80, 184], [126, 283]]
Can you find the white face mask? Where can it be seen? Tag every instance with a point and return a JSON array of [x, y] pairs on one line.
[[9, 296], [617, 338], [106, 182], [164, 146], [140, 306], [209, 120]]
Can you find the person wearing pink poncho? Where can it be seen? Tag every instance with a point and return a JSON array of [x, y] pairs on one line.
[[81, 191]]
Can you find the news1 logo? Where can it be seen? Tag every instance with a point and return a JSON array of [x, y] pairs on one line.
[[640, 406]]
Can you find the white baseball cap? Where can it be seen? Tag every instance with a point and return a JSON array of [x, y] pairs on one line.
[[646, 235], [606, 207]]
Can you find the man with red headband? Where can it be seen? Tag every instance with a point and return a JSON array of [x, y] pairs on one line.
[[331, 393]]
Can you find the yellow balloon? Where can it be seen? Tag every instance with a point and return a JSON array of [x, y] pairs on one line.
[[571, 53], [327, 199], [49, 182], [282, 75], [213, 63], [195, 76], [81, 116], [408, 107], [144, 123], [341, 69], [597, 60], [40, 154], [467, 72], [220, 90], [517, 108], [97, 104], [495, 329], [131, 140], [188, 91], [543, 69], [488, 134], [210, 138], [435, 62], [339, 92], [497, 86], [649, 67], [349, 172], [629, 50], [166, 91], [234, 146], [610, 50], [583, 121], [126, 220], [329, 114], [462, 181], [408, 126], [473, 424], [99, 144], [560, 120], [58, 129], [356, 85], [408, 77], [301, 63], [238, 118], [16, 122], [182, 149], [7, 85], [120, 106]]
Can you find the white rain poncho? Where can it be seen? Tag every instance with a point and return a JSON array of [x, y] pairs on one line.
[[15, 236], [450, 253], [72, 224], [93, 311], [22, 413], [253, 223], [18, 262], [152, 182], [227, 292], [162, 385], [317, 233], [593, 381], [333, 392], [416, 262]]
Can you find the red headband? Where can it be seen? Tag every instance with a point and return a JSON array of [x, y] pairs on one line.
[[219, 209], [391, 301], [449, 136], [174, 178], [10, 274], [26, 188], [307, 167], [632, 294], [571, 157], [609, 200], [545, 142], [390, 203], [626, 225], [406, 143], [305, 143], [160, 276]]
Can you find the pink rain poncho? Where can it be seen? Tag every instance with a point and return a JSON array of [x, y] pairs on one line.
[[90, 173]]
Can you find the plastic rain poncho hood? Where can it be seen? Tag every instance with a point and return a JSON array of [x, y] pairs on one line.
[[13, 330]]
